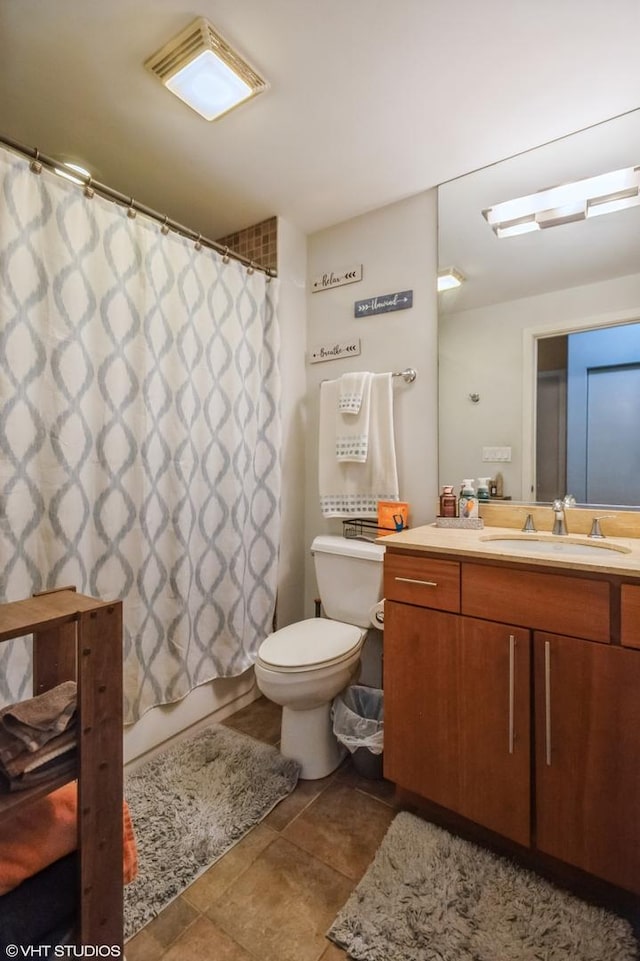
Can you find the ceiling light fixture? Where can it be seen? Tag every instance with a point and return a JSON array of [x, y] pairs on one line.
[[200, 68], [565, 204], [449, 278]]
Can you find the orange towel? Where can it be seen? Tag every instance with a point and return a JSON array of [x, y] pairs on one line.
[[130, 848], [42, 832]]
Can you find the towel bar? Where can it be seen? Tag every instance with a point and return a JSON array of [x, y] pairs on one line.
[[409, 374]]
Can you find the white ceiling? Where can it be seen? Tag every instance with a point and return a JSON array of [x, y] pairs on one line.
[[370, 101]]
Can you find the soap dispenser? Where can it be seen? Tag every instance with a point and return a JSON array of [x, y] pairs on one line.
[[448, 502], [467, 502], [483, 488]]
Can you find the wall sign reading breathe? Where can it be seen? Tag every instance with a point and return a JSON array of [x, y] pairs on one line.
[[349, 348]]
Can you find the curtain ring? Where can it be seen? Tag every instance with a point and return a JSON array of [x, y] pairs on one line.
[[165, 226], [131, 212], [88, 189], [225, 256], [35, 166], [250, 268], [197, 244]]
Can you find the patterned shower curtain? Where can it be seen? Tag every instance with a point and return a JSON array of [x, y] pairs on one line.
[[139, 434]]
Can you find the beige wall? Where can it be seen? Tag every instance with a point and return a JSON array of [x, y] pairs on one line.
[[397, 247], [292, 259]]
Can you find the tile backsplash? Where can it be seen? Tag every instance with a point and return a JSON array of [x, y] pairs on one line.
[[618, 523], [258, 243]]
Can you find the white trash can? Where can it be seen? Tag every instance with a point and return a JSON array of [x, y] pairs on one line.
[[358, 723]]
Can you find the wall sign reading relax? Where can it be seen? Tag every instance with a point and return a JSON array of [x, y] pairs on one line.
[[383, 303], [337, 278]]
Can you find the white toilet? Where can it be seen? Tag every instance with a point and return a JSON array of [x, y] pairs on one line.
[[303, 666]]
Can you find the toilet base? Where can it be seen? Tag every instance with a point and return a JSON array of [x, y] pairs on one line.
[[307, 737]]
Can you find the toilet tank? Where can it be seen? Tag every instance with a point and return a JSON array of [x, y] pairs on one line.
[[349, 575]]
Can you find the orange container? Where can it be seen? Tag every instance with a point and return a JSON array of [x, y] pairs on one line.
[[392, 516]]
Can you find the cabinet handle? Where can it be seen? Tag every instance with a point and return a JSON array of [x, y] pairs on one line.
[[412, 580], [547, 701], [512, 672]]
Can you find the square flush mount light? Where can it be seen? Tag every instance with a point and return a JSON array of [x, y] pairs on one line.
[[449, 278], [200, 68], [563, 205]]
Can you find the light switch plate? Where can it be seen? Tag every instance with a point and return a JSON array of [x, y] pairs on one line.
[[496, 455]]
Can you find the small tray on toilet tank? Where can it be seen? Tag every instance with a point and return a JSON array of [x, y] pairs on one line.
[[365, 529]]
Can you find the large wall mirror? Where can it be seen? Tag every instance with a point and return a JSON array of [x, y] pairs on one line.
[[506, 336]]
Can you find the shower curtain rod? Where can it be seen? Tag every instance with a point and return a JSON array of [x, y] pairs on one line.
[[91, 186]]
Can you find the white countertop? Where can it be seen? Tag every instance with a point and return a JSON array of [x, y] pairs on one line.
[[481, 544]]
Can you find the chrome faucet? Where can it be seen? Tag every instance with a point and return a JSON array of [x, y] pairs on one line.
[[595, 525], [560, 512], [560, 522]]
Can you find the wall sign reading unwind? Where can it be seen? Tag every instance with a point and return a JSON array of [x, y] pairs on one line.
[[383, 303]]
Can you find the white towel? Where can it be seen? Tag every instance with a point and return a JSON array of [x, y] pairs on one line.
[[352, 428], [354, 388], [353, 489]]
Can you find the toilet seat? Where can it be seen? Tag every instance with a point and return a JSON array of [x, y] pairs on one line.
[[311, 644]]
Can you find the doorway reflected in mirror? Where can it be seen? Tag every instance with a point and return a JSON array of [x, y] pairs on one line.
[[587, 405]]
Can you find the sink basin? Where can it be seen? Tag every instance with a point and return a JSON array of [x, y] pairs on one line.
[[551, 545]]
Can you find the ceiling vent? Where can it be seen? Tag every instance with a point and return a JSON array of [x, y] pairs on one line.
[[200, 68]]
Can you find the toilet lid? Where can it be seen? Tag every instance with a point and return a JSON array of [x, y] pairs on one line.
[[312, 642]]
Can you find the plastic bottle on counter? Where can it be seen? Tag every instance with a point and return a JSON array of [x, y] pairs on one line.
[[448, 502], [483, 488], [467, 502]]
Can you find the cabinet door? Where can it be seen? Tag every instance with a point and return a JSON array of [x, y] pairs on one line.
[[494, 725], [630, 615], [457, 715], [421, 702], [588, 756]]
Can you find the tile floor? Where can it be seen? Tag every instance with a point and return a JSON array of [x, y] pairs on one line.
[[273, 896]]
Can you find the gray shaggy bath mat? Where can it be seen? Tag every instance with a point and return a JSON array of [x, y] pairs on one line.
[[430, 896], [191, 804]]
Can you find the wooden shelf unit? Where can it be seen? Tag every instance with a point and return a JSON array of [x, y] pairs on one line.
[[76, 637]]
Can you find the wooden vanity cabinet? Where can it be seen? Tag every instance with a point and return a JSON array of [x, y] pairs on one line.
[[587, 757], [511, 711]]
